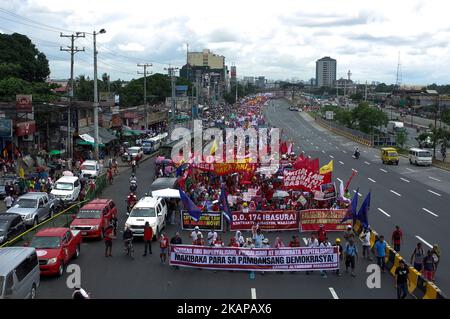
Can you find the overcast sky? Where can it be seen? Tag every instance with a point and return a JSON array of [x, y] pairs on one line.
[[278, 39]]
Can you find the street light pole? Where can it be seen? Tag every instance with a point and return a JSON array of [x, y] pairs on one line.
[[96, 104]]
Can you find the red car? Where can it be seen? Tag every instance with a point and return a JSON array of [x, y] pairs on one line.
[[55, 247], [94, 217]]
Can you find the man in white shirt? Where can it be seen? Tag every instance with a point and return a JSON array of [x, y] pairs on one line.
[[195, 232], [212, 236], [312, 243], [9, 200]]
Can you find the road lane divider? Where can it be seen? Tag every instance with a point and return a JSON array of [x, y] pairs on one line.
[[405, 180], [371, 180], [430, 212], [437, 194], [253, 292], [340, 162], [394, 192], [435, 179], [331, 156], [359, 194], [383, 170], [384, 212], [333, 293], [365, 162], [424, 241]]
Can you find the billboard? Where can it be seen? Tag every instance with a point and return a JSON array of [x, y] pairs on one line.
[[5, 128], [25, 128], [24, 103]]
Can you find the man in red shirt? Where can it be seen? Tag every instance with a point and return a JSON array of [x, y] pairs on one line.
[[397, 238], [148, 237], [107, 236], [295, 242], [321, 234], [163, 244]]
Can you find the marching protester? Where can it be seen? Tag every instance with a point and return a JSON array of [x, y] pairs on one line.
[[295, 242], [258, 237], [278, 243], [436, 253], [365, 236], [218, 242], [163, 245], [148, 237], [108, 237], [417, 257], [321, 234], [239, 238], [195, 233], [397, 238], [249, 243], [312, 243], [428, 266], [233, 242], [324, 244], [212, 236], [266, 244], [348, 234], [351, 255], [401, 280], [199, 241], [380, 251], [338, 244], [176, 240]]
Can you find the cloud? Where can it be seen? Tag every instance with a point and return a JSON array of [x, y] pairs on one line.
[[131, 47]]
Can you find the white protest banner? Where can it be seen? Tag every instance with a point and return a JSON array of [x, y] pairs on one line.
[[302, 179], [256, 259]]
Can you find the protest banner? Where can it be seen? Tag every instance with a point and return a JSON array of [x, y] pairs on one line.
[[329, 190], [310, 219], [207, 221], [225, 168], [255, 259], [267, 220], [302, 179]]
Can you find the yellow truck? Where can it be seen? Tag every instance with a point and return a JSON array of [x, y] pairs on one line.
[[389, 155]]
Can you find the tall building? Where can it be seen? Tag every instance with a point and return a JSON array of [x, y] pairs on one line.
[[261, 82], [206, 59], [325, 72]]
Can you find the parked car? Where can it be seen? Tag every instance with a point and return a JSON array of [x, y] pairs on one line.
[[90, 169], [67, 188], [19, 273], [11, 226], [35, 207], [94, 217], [148, 209], [55, 247], [134, 152]]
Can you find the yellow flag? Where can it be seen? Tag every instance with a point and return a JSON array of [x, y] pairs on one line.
[[214, 148], [327, 168]]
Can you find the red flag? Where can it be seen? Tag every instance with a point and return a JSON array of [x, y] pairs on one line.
[[300, 162], [349, 180], [313, 165], [327, 178]]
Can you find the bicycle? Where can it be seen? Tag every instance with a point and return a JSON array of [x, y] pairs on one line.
[[129, 250]]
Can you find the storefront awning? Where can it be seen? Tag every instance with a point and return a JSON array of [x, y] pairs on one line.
[[104, 135]]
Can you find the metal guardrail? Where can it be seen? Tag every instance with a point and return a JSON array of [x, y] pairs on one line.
[[354, 135]]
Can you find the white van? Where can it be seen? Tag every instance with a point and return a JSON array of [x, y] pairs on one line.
[[90, 169], [420, 156], [19, 273], [148, 209], [67, 188]]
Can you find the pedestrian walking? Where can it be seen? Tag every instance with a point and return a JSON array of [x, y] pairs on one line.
[[176, 240], [312, 243], [341, 255], [258, 238], [148, 237], [321, 234], [436, 253], [9, 200], [199, 241], [110, 176], [108, 237], [194, 234], [365, 236], [351, 255], [417, 257], [240, 240], [295, 242], [163, 245], [212, 236], [401, 280], [397, 238], [324, 244], [348, 233], [428, 266], [380, 252]]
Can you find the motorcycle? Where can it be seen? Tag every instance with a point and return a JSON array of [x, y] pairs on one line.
[[356, 155], [133, 186], [131, 201]]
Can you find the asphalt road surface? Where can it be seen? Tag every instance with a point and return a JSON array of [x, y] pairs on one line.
[[145, 277], [415, 198]]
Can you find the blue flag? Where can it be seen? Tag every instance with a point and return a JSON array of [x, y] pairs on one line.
[[223, 204], [192, 209], [362, 213], [180, 169], [351, 211]]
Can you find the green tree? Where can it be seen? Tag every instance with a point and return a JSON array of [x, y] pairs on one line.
[[20, 58], [367, 118], [401, 137]]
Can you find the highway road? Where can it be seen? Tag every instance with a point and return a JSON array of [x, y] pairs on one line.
[[145, 277], [415, 198]]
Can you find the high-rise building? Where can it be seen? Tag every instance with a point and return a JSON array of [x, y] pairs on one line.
[[326, 72]]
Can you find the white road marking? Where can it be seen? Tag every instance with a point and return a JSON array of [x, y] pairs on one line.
[[305, 241], [395, 193], [424, 241], [333, 293], [371, 180], [383, 170], [340, 180], [365, 151], [323, 151], [341, 162], [434, 193], [384, 212], [331, 156], [359, 194], [435, 179], [356, 171], [344, 152], [253, 293], [411, 170], [367, 163], [405, 180], [430, 212]]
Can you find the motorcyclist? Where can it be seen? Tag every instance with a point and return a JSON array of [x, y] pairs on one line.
[[131, 200], [133, 165], [127, 236], [133, 183], [356, 152]]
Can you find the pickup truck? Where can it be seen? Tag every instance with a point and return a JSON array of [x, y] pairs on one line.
[[35, 207], [94, 217], [55, 247]]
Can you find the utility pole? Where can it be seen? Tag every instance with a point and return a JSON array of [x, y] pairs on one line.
[[145, 66], [171, 71], [72, 51], [96, 104]]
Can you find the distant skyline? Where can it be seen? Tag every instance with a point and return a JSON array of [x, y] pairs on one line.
[[276, 39]]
